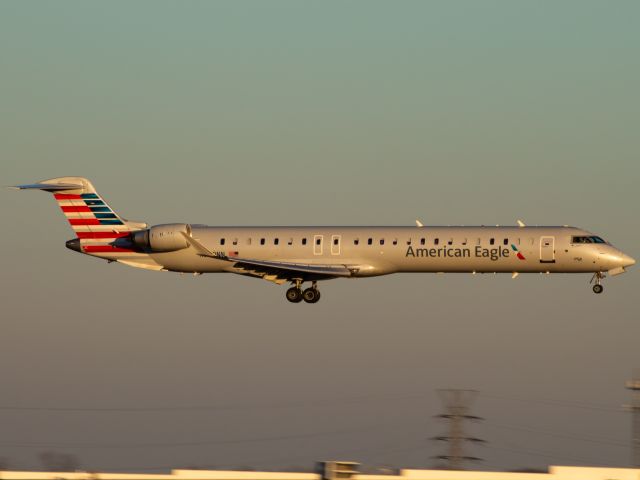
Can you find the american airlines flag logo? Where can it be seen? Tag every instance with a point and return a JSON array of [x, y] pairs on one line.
[[86, 209], [93, 221], [518, 254]]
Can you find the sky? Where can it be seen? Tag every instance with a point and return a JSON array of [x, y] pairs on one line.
[[316, 113]]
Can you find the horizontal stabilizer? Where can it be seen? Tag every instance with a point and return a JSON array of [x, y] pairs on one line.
[[49, 187]]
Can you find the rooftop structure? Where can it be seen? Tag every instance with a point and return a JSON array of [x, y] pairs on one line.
[[340, 470]]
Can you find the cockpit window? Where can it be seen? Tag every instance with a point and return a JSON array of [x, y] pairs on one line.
[[585, 239], [580, 240]]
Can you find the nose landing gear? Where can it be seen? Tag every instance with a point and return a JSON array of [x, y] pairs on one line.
[[597, 287], [310, 295]]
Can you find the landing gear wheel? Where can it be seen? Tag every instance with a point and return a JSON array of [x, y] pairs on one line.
[[597, 278], [311, 295], [294, 295]]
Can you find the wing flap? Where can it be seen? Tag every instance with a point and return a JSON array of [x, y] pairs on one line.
[[314, 269]]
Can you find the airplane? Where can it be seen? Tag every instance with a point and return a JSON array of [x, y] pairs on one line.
[[297, 255]]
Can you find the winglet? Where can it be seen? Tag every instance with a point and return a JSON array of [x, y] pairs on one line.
[[419, 223], [521, 223]]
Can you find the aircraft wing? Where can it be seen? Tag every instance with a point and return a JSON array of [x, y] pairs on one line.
[[275, 271], [289, 267]]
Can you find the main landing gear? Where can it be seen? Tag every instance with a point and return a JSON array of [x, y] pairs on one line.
[[597, 287], [310, 295]]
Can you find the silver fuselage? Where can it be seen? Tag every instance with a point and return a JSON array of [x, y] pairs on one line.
[[385, 250]]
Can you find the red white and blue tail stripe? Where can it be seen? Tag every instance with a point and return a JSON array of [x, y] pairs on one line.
[[95, 224]]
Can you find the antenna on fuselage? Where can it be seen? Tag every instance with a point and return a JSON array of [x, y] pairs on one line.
[[419, 223], [521, 223]]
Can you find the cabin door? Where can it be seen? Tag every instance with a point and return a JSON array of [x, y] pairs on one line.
[[547, 250]]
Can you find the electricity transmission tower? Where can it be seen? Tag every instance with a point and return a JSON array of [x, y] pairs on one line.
[[634, 407], [457, 404]]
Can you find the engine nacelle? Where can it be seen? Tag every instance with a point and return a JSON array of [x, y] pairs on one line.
[[162, 238]]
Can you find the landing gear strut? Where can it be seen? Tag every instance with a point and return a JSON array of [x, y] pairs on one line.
[[597, 287], [310, 295]]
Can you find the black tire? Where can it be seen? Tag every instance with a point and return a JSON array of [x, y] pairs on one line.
[[294, 295], [598, 288], [311, 295], [317, 296]]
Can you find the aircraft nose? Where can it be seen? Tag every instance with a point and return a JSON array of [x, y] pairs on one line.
[[627, 260]]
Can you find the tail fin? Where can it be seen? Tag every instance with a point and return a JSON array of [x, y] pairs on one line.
[[88, 214], [101, 232]]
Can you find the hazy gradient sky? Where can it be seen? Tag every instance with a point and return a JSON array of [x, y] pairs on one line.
[[273, 113]]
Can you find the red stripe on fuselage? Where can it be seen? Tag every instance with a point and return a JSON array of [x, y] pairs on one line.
[[67, 196], [102, 234], [76, 209], [105, 249], [84, 221]]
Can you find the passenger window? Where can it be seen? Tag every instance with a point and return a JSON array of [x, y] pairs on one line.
[[276, 241], [464, 241], [492, 241], [304, 241], [249, 241], [356, 241], [505, 241], [222, 241], [409, 242], [436, 241], [262, 240], [235, 241], [370, 241], [382, 241], [395, 241], [290, 242], [450, 242], [423, 241]]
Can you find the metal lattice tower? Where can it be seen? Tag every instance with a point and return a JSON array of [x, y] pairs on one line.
[[457, 404], [634, 407]]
